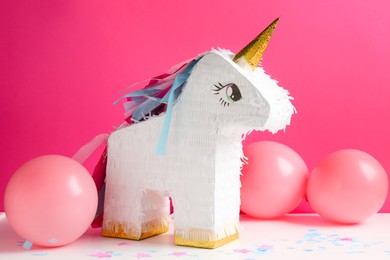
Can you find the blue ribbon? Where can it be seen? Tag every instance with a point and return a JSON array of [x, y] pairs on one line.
[[172, 95], [146, 101]]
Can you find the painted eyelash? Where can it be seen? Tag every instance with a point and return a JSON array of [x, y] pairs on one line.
[[218, 88], [223, 102]]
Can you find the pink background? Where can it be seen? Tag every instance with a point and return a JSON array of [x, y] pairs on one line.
[[63, 63]]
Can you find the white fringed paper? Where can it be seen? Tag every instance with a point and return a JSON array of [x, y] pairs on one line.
[[201, 168]]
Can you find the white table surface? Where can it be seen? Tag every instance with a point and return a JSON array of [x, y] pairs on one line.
[[295, 236]]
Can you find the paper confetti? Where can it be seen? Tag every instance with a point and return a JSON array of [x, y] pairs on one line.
[[125, 244], [242, 251], [27, 245], [100, 254], [179, 254], [40, 254], [264, 249], [354, 252], [348, 239], [142, 255]]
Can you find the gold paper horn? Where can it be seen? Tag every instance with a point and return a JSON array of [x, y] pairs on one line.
[[255, 49]]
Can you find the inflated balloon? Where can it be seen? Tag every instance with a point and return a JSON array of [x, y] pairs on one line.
[[50, 200], [273, 181], [347, 186]]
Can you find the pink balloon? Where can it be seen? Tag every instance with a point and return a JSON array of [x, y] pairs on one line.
[[273, 182], [51, 200], [348, 186]]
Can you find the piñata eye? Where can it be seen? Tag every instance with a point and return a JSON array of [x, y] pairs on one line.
[[228, 93]]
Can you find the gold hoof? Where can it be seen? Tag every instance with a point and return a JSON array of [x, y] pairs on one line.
[[194, 241], [124, 230]]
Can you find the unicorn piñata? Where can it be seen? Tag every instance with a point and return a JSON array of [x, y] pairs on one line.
[[183, 140]]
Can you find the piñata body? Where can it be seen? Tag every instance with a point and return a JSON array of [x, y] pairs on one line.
[[219, 104]]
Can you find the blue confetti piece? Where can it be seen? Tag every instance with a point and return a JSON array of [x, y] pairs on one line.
[[40, 254], [27, 245], [152, 251], [264, 249], [312, 236], [354, 252]]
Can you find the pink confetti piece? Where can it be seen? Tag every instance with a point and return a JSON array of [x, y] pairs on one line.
[[242, 251], [349, 239], [125, 244], [100, 254], [179, 254], [141, 255]]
